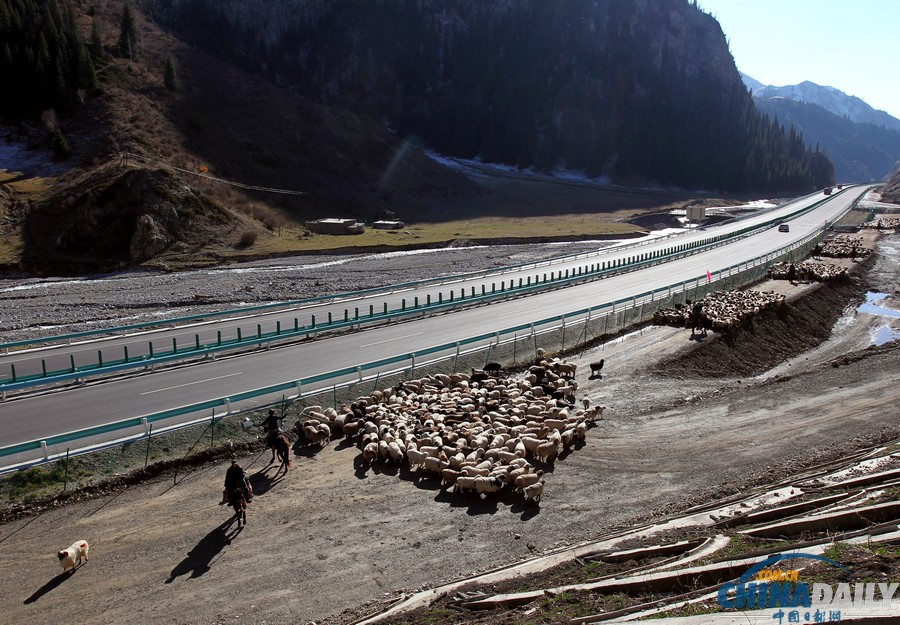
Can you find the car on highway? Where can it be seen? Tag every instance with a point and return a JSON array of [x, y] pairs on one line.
[[784, 228]]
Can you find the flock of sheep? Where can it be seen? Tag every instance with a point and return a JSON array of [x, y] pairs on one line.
[[478, 433], [842, 246], [807, 271], [884, 223], [719, 311]]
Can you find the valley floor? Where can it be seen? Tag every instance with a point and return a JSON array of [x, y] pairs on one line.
[[333, 541]]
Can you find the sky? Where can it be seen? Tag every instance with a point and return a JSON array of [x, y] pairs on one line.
[[851, 45]]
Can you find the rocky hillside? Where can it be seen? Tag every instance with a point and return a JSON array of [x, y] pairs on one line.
[[637, 90], [891, 190]]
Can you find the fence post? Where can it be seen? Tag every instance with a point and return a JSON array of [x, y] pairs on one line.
[[100, 357], [278, 327], [44, 363], [147, 455], [72, 358], [44, 449], [197, 341], [66, 475]]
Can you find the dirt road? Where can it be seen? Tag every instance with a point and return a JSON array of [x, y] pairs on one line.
[[332, 540]]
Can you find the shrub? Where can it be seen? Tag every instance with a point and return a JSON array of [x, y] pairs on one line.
[[248, 238]]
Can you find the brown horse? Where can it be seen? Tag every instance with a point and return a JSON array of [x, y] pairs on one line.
[[281, 445], [238, 500]]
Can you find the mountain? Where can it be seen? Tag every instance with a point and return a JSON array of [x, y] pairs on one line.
[[334, 104], [641, 91], [829, 98], [863, 144], [860, 152]]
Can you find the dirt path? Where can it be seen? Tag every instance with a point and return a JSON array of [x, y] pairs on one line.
[[332, 537]]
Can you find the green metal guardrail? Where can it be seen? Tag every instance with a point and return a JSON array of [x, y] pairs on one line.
[[610, 307], [593, 271]]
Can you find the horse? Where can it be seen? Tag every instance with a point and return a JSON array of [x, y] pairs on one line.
[[238, 500], [281, 445]]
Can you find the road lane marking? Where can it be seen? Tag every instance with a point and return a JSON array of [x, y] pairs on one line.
[[399, 338], [169, 388]]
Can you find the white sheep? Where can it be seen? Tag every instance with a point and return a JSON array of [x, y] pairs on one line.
[[534, 492], [464, 484]]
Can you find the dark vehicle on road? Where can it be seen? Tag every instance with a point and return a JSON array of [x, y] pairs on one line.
[[784, 228]]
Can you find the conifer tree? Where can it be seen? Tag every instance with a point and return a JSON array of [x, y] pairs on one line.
[[98, 53], [129, 44], [170, 78]]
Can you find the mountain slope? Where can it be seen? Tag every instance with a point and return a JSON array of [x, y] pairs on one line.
[[829, 98], [860, 152], [640, 91]]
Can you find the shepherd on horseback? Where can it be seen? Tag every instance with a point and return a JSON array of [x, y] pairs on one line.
[[236, 480], [276, 438], [272, 427]]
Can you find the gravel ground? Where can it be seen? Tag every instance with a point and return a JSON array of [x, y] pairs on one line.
[[34, 307], [333, 540]]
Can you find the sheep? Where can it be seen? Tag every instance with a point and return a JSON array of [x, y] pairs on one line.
[[523, 481], [435, 465], [370, 452], [488, 485], [565, 369], [492, 368], [464, 484], [415, 457], [449, 477], [594, 413], [534, 492], [320, 433], [595, 368], [547, 451]]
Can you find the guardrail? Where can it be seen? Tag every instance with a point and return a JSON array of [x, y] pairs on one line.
[[525, 285], [639, 305]]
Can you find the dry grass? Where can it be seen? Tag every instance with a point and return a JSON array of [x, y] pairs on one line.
[[292, 238]]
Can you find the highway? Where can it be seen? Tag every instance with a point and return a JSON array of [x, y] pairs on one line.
[[88, 352], [33, 417]]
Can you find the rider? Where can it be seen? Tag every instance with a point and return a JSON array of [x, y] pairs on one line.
[[272, 427], [236, 478]]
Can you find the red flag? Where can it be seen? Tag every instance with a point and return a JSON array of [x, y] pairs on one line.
[[708, 277]]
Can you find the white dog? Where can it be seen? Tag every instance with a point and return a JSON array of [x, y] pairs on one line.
[[71, 557]]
